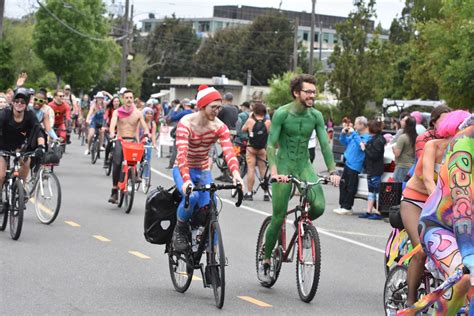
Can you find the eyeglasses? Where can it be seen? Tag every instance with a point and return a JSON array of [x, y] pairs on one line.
[[22, 101], [215, 108], [309, 91], [40, 101]]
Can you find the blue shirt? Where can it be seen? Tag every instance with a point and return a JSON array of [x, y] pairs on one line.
[[176, 116], [353, 154]]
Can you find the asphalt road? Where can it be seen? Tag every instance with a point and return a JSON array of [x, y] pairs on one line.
[[94, 259]]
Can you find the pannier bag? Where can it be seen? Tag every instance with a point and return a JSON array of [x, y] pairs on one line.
[[160, 214]]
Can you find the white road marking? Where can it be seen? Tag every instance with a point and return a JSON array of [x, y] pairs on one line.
[[321, 230]]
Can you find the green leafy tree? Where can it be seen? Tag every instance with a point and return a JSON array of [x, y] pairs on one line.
[[353, 75], [171, 47], [279, 90], [78, 56], [7, 73]]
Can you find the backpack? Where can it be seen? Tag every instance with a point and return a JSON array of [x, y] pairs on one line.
[[160, 214], [258, 136]]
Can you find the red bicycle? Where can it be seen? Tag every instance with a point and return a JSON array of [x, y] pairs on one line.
[[305, 241], [132, 155]]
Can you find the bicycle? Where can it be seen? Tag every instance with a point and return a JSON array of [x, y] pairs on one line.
[[13, 194], [82, 133], [132, 155], [239, 153], [144, 166], [109, 157], [204, 235], [58, 131], [264, 181], [305, 241], [95, 145]]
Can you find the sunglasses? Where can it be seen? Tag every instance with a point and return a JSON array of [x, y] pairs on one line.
[[40, 101]]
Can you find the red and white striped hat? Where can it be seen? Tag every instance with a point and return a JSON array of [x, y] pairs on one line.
[[206, 95]]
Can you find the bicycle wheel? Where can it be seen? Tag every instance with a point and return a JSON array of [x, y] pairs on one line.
[[395, 291], [95, 151], [181, 270], [16, 209], [108, 170], [121, 197], [308, 263], [3, 210], [242, 166], [47, 197], [129, 195], [140, 175], [217, 263], [260, 253]]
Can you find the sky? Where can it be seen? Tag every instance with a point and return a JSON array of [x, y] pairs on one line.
[[386, 10]]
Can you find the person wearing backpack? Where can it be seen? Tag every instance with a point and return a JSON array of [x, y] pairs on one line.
[[257, 126]]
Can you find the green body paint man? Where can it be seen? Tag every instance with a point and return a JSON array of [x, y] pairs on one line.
[[291, 129]]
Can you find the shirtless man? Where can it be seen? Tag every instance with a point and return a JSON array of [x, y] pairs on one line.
[[126, 118], [195, 135]]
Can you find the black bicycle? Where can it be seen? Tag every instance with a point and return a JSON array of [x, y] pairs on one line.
[[205, 235], [95, 145], [13, 194]]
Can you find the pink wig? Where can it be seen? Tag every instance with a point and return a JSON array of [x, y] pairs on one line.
[[449, 124], [417, 116]]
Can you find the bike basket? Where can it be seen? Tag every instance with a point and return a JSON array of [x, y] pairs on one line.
[[132, 152]]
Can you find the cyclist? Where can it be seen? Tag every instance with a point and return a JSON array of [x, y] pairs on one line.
[[194, 136], [113, 105], [446, 220], [292, 125], [95, 117], [126, 118], [62, 114], [19, 127], [42, 114], [73, 103], [148, 114]]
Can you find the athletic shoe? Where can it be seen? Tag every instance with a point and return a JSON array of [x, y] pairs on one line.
[[365, 215], [248, 197], [264, 273], [342, 211], [375, 216], [87, 152], [266, 197], [114, 197], [180, 238]]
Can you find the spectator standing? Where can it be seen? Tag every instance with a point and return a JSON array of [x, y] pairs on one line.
[[179, 111], [420, 128], [404, 149], [312, 146], [374, 166], [330, 128], [241, 120], [354, 161], [257, 127]]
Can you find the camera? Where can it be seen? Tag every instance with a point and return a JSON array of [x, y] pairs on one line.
[[346, 130]]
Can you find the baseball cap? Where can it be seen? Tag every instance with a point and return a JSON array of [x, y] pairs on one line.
[[67, 87]]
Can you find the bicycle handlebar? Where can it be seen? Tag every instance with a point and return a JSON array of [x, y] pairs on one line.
[[212, 187], [6, 153], [295, 180]]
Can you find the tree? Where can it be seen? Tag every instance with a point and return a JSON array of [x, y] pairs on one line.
[[171, 47], [279, 90], [353, 75], [7, 73], [71, 40]]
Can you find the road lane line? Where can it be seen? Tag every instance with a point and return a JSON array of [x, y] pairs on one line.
[[73, 224], [42, 207], [254, 301], [139, 255], [101, 238], [322, 231], [354, 233]]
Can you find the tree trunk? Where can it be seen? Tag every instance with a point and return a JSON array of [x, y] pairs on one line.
[[58, 81]]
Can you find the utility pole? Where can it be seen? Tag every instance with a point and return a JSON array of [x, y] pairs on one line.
[[295, 46], [320, 38], [249, 82], [2, 11], [311, 48], [123, 65]]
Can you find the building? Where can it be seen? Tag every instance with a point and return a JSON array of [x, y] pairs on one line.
[[227, 16]]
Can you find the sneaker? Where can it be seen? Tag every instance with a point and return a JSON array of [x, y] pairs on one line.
[[248, 197], [102, 148], [375, 217], [342, 211], [365, 215], [266, 197], [114, 197], [87, 152], [180, 237], [264, 273]]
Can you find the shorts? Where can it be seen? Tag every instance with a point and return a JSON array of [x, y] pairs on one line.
[[373, 183]]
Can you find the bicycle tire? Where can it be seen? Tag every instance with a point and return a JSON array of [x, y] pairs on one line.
[[108, 170], [146, 182], [95, 151], [307, 294], [4, 210], [242, 166], [260, 252], [395, 290], [130, 194], [121, 198], [181, 274], [16, 210], [140, 175], [218, 262], [45, 193]]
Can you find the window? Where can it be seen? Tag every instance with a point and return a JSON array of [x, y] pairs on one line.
[[335, 39], [316, 37], [326, 37], [147, 26], [204, 26], [305, 36]]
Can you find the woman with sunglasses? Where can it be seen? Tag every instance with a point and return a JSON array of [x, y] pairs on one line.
[[42, 114]]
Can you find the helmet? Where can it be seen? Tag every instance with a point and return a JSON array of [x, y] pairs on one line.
[[22, 93]]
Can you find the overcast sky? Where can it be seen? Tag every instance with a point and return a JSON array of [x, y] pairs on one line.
[[386, 9]]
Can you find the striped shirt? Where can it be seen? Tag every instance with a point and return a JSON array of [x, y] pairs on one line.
[[193, 148]]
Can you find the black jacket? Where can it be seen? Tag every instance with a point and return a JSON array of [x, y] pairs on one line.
[[374, 151]]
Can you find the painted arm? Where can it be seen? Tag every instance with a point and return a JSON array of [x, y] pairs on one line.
[[273, 138], [324, 142], [429, 156], [182, 143]]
